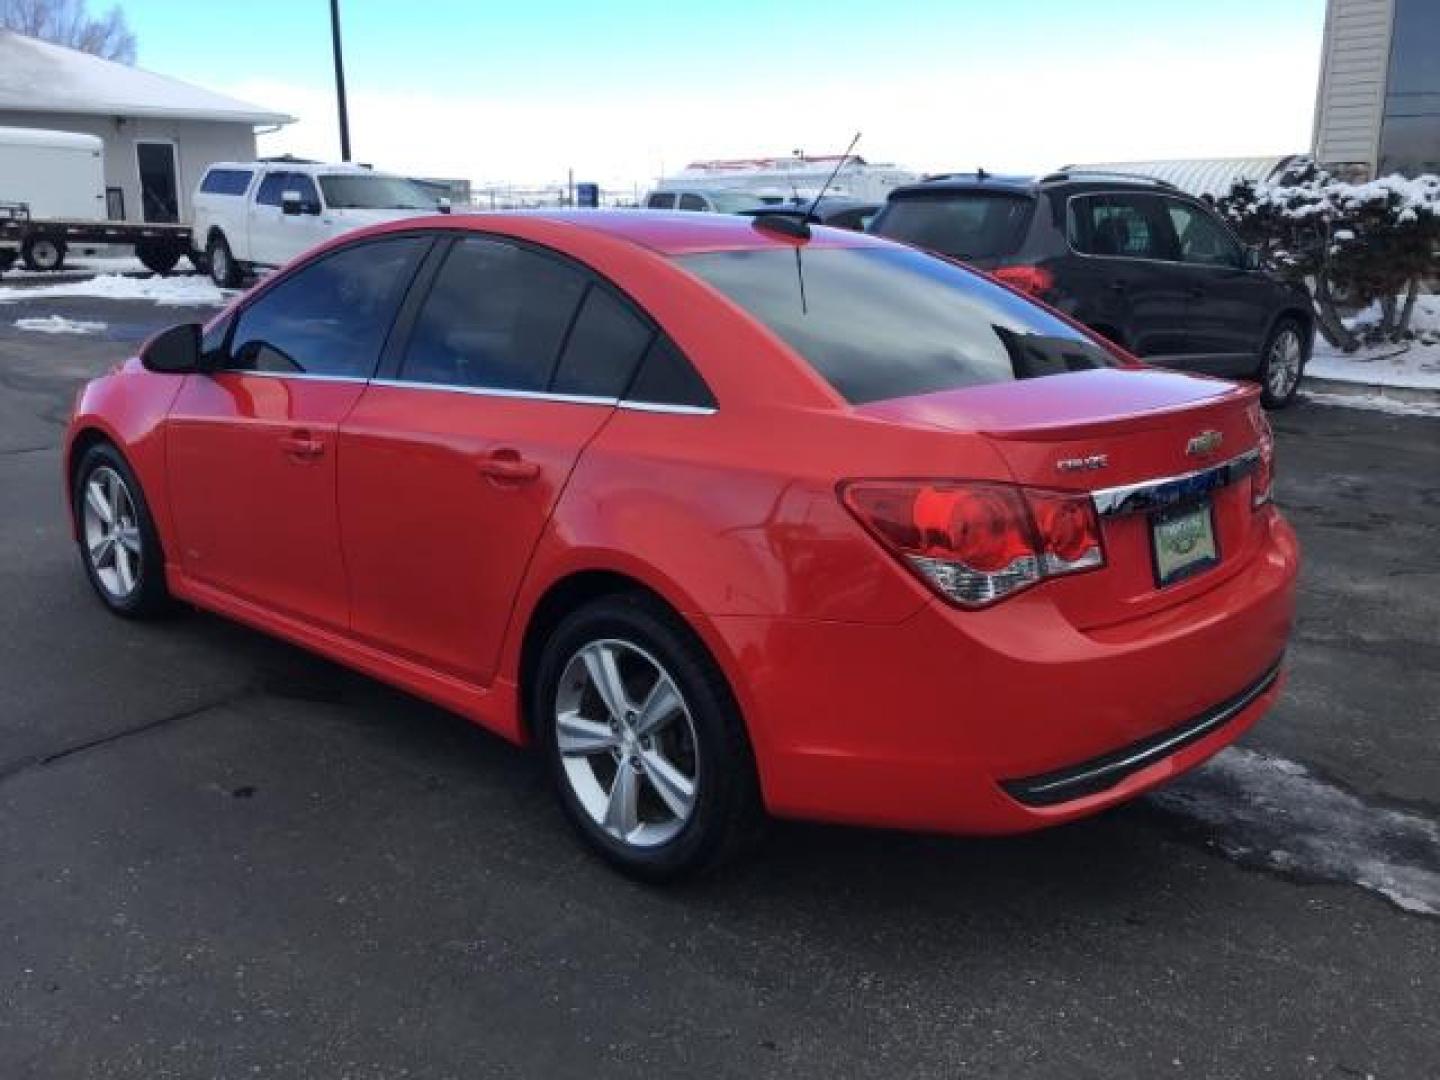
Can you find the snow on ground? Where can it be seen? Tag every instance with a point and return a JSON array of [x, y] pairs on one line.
[[58, 324], [1413, 364], [171, 291], [1374, 403], [1274, 813], [80, 264]]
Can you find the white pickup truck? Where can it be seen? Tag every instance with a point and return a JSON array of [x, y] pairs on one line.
[[263, 214]]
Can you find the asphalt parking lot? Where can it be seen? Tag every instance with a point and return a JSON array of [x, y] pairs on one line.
[[223, 857]]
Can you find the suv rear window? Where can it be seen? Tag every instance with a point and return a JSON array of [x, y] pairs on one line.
[[888, 322], [961, 224]]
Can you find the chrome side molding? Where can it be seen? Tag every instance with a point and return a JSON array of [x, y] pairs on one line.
[[1170, 490]]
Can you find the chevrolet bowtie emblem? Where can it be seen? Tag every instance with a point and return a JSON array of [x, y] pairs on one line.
[[1204, 444]]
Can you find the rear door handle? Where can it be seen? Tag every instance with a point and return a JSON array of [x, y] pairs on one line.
[[509, 466], [302, 444]]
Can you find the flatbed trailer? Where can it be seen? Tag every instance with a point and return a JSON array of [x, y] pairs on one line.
[[42, 242]]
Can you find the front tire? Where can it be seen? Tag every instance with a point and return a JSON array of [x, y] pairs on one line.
[[645, 745], [1282, 364], [118, 543]]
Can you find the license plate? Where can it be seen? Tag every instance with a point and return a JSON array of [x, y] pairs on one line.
[[1184, 542]]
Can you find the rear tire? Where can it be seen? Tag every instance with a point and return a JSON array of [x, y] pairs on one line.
[[119, 546], [667, 788], [1282, 364], [42, 254], [224, 270]]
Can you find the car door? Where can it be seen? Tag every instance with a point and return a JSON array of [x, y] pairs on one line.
[[451, 465], [1127, 276], [250, 447], [262, 221], [1229, 309], [293, 234]]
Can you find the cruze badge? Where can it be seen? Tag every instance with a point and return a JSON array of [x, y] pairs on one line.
[[1204, 444], [1083, 464]]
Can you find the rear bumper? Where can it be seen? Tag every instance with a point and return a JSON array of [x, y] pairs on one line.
[[954, 721]]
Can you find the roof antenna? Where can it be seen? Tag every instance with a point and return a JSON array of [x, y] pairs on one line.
[[981, 174], [831, 179]]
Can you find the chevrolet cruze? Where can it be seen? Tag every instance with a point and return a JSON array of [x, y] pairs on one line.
[[725, 517]]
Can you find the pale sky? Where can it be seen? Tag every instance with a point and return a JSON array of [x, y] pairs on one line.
[[622, 90]]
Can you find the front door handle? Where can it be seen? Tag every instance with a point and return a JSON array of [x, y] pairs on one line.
[[509, 467], [301, 444]]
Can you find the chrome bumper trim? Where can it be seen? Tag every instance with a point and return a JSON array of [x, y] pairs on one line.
[[1170, 490]]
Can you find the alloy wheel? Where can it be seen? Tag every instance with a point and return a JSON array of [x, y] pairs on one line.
[[112, 533], [627, 742], [1282, 372]]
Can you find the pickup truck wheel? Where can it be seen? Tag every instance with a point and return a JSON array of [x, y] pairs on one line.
[[43, 254], [157, 257], [7, 258], [224, 271]]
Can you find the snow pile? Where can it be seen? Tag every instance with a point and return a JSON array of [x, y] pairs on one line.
[[1270, 812], [1375, 403], [1413, 365], [168, 291], [58, 324]]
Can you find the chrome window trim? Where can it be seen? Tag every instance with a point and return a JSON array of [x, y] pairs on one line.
[[489, 391], [307, 376], [1168, 490], [1178, 261], [665, 407]]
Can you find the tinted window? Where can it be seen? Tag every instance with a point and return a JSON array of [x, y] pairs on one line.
[[691, 202], [1201, 239], [889, 322], [366, 192], [660, 201], [270, 188], [495, 317], [666, 378], [962, 224], [331, 316], [1129, 226], [226, 182], [603, 348]]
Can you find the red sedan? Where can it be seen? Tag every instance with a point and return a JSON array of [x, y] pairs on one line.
[[724, 519]]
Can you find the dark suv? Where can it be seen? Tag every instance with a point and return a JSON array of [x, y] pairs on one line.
[[1135, 259]]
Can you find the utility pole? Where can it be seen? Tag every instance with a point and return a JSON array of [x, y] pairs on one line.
[[340, 81]]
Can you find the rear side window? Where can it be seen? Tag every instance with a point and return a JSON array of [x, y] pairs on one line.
[[691, 202], [961, 224], [226, 181], [660, 201], [1127, 226], [887, 322], [667, 378], [331, 316], [603, 348], [495, 318]]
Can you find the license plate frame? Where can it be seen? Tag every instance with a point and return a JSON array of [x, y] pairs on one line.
[[1170, 558]]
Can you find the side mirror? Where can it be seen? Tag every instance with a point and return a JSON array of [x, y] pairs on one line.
[[291, 203], [443, 205], [173, 352], [1253, 259]]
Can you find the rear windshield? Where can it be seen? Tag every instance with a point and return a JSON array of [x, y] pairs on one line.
[[888, 322], [962, 224]]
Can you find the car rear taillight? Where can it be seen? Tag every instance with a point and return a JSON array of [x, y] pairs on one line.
[[976, 543], [1035, 280], [1262, 480]]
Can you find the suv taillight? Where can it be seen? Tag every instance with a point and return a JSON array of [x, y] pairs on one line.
[[976, 543], [1035, 280], [1262, 480]]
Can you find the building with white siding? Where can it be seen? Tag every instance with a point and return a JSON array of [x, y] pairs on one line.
[[159, 134], [1378, 106]]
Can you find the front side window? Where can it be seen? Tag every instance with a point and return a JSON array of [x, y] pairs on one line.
[[329, 317], [365, 192], [1124, 226], [271, 188], [495, 318], [1202, 239], [888, 322], [961, 224], [691, 202]]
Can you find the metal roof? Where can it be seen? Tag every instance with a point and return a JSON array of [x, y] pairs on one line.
[[1197, 176], [36, 76]]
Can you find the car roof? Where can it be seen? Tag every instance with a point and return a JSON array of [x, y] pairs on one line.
[[678, 232], [1031, 185]]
